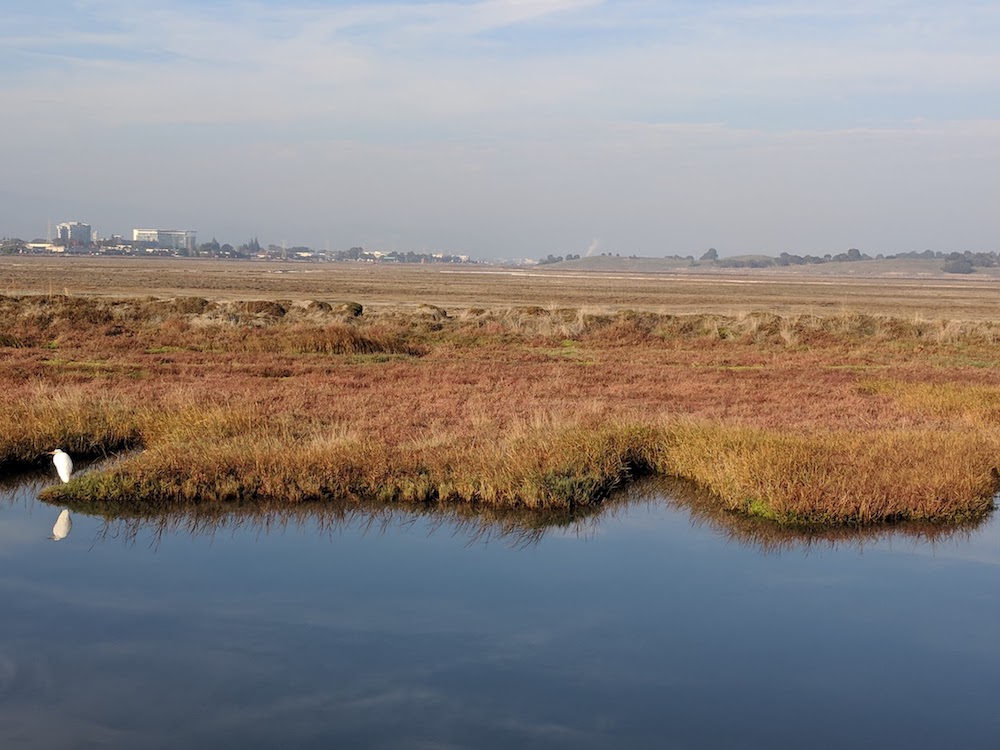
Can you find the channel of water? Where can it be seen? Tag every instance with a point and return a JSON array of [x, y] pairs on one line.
[[656, 623]]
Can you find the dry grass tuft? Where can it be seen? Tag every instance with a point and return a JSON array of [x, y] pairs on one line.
[[82, 421], [837, 477]]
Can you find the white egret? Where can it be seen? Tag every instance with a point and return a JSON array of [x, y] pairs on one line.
[[64, 524], [64, 464]]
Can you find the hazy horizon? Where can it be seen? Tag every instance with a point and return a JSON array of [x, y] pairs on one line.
[[509, 128]]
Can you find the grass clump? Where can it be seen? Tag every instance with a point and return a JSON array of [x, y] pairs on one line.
[[214, 460], [83, 422], [841, 477], [350, 309], [976, 405], [340, 338]]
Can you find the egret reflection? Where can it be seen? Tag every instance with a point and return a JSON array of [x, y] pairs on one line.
[[63, 525]]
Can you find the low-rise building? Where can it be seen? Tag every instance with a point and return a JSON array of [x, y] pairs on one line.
[[44, 247]]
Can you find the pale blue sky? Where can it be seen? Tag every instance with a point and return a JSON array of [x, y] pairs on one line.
[[509, 128]]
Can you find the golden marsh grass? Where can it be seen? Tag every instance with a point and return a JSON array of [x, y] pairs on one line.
[[805, 419]]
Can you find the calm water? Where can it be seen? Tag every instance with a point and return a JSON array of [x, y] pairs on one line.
[[652, 625]]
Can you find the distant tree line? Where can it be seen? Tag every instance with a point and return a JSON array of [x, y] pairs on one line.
[[394, 256], [12, 247], [965, 262], [550, 258]]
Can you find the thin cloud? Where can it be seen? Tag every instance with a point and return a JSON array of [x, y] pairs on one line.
[[551, 109]]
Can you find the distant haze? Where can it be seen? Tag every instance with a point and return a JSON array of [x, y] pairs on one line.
[[508, 128]]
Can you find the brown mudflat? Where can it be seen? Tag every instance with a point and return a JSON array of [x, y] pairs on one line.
[[885, 290]]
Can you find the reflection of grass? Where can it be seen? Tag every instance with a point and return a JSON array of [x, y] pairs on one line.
[[276, 403], [768, 536], [513, 526]]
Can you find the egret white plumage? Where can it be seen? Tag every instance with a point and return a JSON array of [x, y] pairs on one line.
[[64, 524], [64, 464]]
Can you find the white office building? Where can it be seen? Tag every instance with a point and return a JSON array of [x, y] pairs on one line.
[[175, 239]]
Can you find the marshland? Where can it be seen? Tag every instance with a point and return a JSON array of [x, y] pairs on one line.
[[808, 416]]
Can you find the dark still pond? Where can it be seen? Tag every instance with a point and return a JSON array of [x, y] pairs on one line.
[[656, 624]]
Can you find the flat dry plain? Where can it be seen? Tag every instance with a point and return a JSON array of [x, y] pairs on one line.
[[806, 399], [919, 292]]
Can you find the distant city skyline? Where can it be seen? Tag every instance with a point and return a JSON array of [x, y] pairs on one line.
[[509, 128]]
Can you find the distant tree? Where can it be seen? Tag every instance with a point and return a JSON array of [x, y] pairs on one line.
[[960, 265], [853, 254], [710, 254]]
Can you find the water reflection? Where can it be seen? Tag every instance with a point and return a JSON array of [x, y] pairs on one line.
[[768, 537], [478, 524], [63, 525], [383, 637]]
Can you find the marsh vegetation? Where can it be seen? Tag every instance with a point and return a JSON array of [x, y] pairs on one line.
[[802, 419]]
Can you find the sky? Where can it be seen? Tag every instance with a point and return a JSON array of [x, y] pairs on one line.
[[508, 128]]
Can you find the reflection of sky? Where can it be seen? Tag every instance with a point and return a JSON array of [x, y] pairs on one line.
[[641, 631]]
